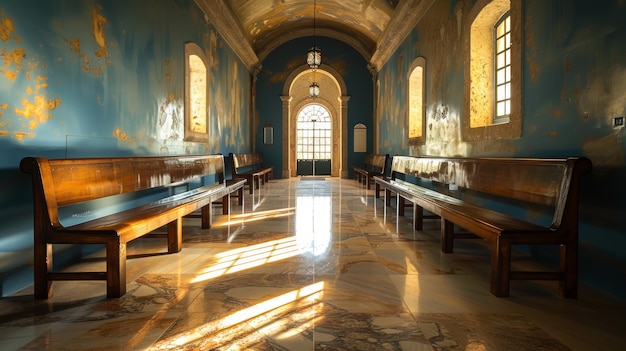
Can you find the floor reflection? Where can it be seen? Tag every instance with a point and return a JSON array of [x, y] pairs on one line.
[[309, 265], [313, 223]]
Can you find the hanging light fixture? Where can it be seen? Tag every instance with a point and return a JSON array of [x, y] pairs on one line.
[[314, 55], [314, 90], [314, 59]]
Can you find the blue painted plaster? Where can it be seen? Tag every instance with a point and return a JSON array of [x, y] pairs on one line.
[[574, 83], [108, 102]]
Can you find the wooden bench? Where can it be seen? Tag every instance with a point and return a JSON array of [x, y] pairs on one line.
[[112, 201], [375, 165], [486, 186], [250, 166]]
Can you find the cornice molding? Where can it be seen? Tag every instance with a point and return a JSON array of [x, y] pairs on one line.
[[228, 26], [405, 17]]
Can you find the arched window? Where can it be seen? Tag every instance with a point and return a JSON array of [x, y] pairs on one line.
[[417, 109], [313, 136], [196, 98], [493, 78]]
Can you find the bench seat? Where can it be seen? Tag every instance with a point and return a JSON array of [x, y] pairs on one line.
[[374, 165], [530, 182], [181, 185], [250, 166]]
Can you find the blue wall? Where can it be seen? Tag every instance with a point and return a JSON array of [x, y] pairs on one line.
[[102, 78], [574, 83], [271, 81]]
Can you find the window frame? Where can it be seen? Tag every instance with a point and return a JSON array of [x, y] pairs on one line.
[[479, 107], [504, 118], [311, 133], [192, 49], [416, 89]]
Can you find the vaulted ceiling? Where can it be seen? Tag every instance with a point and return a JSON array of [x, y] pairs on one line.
[[253, 28]]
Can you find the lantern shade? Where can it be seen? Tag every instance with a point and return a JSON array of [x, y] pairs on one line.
[[314, 57], [314, 90]]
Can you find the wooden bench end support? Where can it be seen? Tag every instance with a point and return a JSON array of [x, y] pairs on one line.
[[500, 267], [418, 217], [207, 212], [447, 236], [568, 287], [116, 268], [175, 236], [65, 182], [42, 262]]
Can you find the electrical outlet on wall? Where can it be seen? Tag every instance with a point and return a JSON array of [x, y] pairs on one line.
[[618, 122]]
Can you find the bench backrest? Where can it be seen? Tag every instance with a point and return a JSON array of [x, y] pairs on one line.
[[552, 182], [250, 160], [376, 163], [62, 182]]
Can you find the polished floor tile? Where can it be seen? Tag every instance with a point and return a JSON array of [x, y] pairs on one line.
[[310, 265]]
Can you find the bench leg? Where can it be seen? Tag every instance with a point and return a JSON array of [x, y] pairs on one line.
[[207, 213], [400, 202], [42, 264], [418, 217], [385, 202], [387, 197], [226, 204], [568, 287], [500, 267], [175, 236], [116, 268], [447, 236]]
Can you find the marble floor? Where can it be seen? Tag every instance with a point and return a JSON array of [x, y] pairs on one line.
[[310, 265]]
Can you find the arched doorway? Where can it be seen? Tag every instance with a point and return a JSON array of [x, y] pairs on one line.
[[333, 99], [314, 141]]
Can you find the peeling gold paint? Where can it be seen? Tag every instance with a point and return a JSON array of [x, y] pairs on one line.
[[10, 75], [530, 44], [6, 27], [122, 136], [282, 76], [74, 45], [4, 133], [98, 70], [38, 109], [97, 22], [21, 135], [10, 59]]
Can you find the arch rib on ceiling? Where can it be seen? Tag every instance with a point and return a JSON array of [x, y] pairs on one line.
[[406, 15]]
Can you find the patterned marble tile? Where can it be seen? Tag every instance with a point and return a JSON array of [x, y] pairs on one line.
[[309, 265]]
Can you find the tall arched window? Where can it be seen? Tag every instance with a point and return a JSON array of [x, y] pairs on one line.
[[493, 74], [417, 108], [313, 136], [196, 98]]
